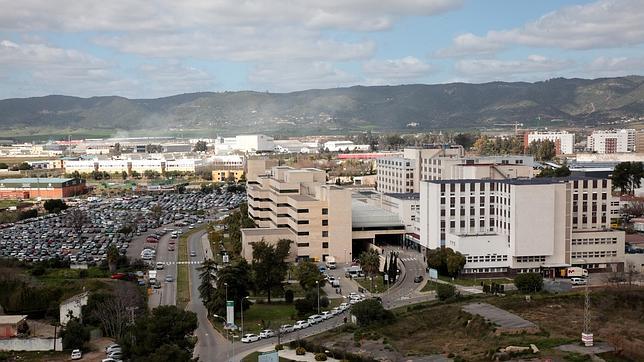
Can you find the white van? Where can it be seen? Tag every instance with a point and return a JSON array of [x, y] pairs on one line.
[[330, 262], [578, 281]]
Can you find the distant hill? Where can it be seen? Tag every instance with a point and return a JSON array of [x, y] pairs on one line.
[[454, 105]]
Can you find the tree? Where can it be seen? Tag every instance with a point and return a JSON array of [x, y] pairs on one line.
[[309, 304], [370, 312], [627, 176], [167, 328], [124, 175], [289, 295], [308, 273], [54, 205], [529, 282], [542, 150], [370, 262], [169, 353], [112, 257], [562, 171], [236, 280], [446, 261], [465, 139], [207, 275], [445, 291], [113, 310], [76, 219], [200, 146], [269, 265], [3, 166], [75, 334]]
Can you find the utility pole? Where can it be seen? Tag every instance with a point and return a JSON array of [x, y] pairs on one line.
[[587, 335], [317, 282]]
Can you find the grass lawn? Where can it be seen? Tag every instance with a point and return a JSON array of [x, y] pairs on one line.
[[253, 357], [378, 284], [429, 286], [272, 315], [92, 272], [183, 270], [471, 282], [8, 203]]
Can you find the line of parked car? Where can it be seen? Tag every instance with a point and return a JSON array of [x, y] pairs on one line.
[[299, 325]]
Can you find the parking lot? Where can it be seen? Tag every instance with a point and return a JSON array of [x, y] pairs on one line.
[[82, 233]]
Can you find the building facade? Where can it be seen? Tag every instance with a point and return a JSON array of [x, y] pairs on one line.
[[296, 204], [564, 141], [510, 226], [612, 141], [44, 188]]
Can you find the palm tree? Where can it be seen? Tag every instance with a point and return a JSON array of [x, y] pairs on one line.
[[370, 262], [112, 257]]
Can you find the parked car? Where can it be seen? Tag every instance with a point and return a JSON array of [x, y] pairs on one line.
[[76, 354], [286, 328], [111, 347], [266, 333], [301, 325], [160, 265], [418, 279], [336, 311], [315, 319], [326, 315], [578, 281], [248, 338], [193, 253]]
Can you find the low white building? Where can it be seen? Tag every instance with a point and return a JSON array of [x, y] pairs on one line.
[[341, 146], [72, 307]]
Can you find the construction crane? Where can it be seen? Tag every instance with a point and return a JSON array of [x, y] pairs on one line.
[[515, 125]]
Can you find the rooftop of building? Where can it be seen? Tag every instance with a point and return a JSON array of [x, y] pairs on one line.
[[404, 195], [12, 319], [517, 181], [364, 215], [302, 198], [35, 180]]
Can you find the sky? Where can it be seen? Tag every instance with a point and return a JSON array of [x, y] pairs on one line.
[[156, 48]]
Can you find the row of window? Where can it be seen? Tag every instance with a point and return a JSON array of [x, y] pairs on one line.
[[486, 258], [484, 270], [591, 241], [593, 254], [531, 259], [325, 245]]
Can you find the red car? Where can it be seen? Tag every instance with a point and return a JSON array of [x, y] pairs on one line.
[[119, 276], [151, 239]]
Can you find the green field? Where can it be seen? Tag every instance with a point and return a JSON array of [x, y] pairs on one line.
[[471, 282], [379, 285]]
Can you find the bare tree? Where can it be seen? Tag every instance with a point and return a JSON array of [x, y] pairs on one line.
[[76, 218], [115, 312]]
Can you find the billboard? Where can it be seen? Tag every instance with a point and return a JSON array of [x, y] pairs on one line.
[[230, 313], [433, 273]]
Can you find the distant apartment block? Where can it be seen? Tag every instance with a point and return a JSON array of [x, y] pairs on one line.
[[612, 141], [511, 226], [256, 143], [296, 204], [564, 141]]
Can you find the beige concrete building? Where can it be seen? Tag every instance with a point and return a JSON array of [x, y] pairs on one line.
[[509, 226], [296, 204]]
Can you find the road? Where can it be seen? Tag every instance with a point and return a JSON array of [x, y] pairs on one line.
[[167, 295], [211, 346]]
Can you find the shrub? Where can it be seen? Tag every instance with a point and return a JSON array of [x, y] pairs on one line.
[[83, 273], [445, 291], [289, 296], [300, 351], [38, 270], [320, 356], [279, 347], [370, 312], [529, 282]]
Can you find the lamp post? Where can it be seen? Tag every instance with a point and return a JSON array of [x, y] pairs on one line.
[[241, 307], [226, 285], [317, 283]]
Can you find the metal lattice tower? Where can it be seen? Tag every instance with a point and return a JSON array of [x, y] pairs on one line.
[[587, 307]]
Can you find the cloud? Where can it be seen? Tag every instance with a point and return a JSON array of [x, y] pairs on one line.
[[602, 24], [534, 66], [239, 44], [395, 71], [161, 15], [286, 77], [615, 66], [173, 78]]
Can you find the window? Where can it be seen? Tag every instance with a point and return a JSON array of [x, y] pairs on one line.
[[302, 211], [325, 211], [302, 245], [302, 233], [325, 245], [302, 222], [325, 222], [325, 234]]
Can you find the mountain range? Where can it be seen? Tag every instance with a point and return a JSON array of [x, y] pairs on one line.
[[575, 102]]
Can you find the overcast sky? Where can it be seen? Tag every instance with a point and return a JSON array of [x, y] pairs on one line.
[[147, 48]]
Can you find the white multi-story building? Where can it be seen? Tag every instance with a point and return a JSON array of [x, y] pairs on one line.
[[255, 143], [564, 141], [395, 174], [612, 141], [509, 226]]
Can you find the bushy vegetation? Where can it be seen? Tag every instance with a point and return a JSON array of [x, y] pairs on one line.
[[445, 291], [446, 261], [529, 282], [371, 312]]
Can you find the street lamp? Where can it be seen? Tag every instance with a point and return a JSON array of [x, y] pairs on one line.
[[317, 283], [224, 319], [241, 306], [226, 285]]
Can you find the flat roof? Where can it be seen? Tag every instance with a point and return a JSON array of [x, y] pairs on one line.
[[302, 197], [12, 319], [405, 195], [517, 181], [365, 215], [35, 180]]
